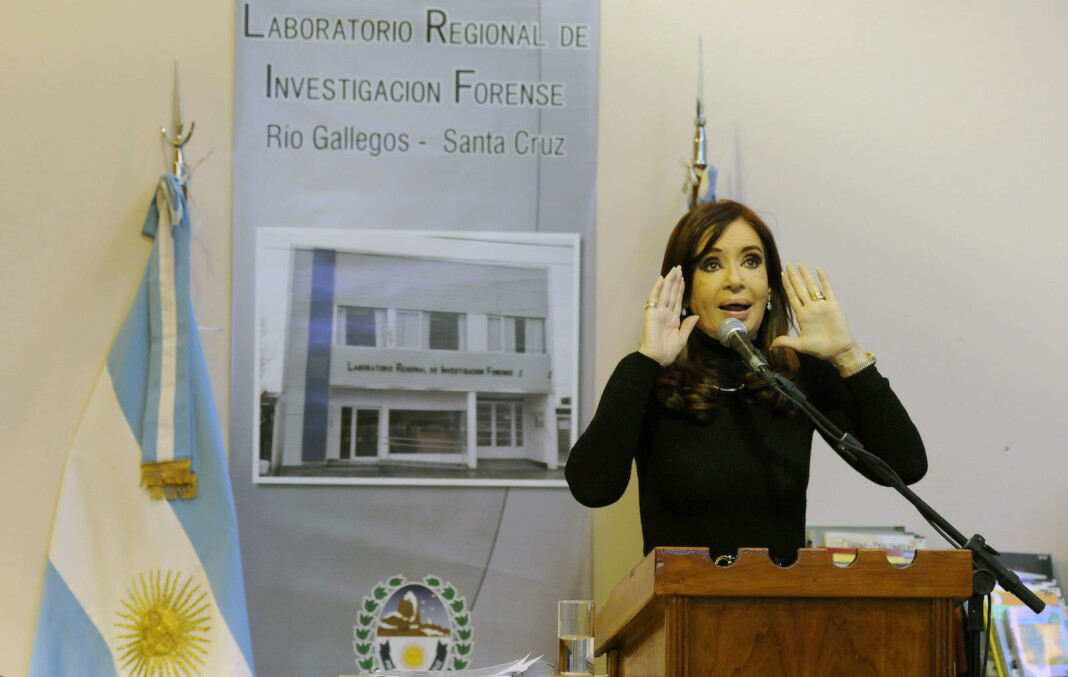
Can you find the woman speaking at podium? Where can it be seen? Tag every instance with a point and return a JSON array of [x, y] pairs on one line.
[[722, 459]]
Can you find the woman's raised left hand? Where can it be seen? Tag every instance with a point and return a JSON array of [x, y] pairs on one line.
[[824, 332]]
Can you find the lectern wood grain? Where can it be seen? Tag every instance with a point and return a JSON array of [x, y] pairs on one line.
[[678, 614]]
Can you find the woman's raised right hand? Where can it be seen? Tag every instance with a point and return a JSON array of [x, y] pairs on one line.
[[664, 334]]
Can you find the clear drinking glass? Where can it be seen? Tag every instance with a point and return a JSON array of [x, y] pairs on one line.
[[575, 633]]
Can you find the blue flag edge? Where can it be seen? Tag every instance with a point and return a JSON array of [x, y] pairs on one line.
[[210, 520], [66, 641]]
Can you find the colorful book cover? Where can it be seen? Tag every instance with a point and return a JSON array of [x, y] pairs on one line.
[[1000, 604], [1039, 641]]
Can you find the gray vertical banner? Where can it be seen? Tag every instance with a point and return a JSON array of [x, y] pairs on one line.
[[458, 115]]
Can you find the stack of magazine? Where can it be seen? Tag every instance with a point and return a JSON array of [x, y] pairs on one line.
[[1023, 643], [842, 542]]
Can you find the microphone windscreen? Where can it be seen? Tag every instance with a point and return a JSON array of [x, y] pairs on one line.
[[731, 325]]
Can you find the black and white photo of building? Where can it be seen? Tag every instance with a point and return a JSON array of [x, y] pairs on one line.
[[416, 357]]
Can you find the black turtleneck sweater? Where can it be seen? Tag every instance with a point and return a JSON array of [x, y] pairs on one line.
[[738, 478]]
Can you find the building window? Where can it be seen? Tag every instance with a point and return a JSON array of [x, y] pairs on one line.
[[421, 330], [509, 334], [500, 424], [515, 334], [427, 432], [484, 418], [409, 325], [494, 339], [415, 329], [446, 331], [359, 326], [533, 335]]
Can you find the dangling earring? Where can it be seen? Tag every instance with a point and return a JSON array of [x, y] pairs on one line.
[[684, 311], [769, 301]]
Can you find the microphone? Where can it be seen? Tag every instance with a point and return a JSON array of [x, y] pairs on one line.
[[733, 334]]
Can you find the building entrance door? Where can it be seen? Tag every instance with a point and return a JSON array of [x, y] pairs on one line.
[[359, 433], [500, 429]]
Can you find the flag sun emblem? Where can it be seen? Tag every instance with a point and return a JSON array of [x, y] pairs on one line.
[[166, 626], [413, 626]]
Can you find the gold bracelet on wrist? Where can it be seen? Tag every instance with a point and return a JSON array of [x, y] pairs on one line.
[[868, 360]]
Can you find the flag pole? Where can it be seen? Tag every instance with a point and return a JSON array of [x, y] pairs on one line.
[[700, 151]]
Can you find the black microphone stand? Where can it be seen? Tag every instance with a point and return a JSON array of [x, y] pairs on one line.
[[985, 568]]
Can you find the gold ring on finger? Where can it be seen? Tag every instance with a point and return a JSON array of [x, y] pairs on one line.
[[650, 304], [818, 296]]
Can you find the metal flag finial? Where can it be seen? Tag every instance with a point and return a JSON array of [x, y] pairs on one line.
[[181, 136]]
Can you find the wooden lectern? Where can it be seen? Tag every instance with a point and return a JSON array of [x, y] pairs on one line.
[[677, 614]]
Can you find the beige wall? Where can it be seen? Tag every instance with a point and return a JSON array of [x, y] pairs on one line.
[[85, 88], [916, 150]]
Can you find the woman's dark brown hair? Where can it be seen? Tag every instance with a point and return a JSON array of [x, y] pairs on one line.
[[691, 384]]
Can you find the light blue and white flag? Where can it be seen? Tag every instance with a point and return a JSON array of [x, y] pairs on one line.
[[706, 190], [144, 569]]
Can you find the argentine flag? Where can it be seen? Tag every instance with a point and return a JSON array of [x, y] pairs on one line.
[[144, 570]]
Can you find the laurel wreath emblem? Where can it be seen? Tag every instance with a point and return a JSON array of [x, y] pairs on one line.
[[371, 609]]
